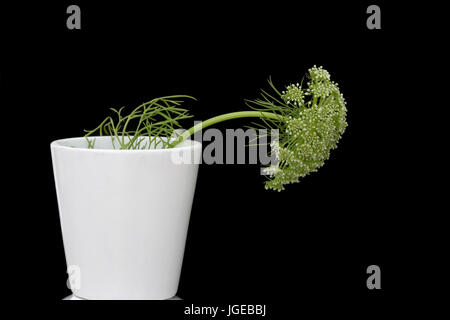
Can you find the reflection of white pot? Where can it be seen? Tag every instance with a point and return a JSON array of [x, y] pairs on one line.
[[124, 217]]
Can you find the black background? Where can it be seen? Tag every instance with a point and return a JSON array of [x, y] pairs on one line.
[[305, 248]]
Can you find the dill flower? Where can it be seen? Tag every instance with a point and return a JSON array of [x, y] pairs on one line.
[[293, 94], [311, 124]]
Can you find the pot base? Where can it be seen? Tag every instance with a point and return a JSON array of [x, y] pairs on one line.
[[73, 297]]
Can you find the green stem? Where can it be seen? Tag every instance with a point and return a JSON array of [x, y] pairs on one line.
[[224, 117]]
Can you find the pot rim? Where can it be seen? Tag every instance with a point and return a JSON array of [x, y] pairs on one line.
[[56, 144]]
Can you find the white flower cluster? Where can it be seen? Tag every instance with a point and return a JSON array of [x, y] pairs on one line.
[[271, 170], [310, 134], [320, 84], [320, 88], [293, 94], [319, 74]]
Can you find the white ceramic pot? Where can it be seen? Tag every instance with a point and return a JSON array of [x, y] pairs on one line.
[[124, 217]]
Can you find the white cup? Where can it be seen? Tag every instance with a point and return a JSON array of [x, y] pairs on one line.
[[124, 217]]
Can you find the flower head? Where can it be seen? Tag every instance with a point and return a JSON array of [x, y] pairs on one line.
[[311, 123], [293, 94]]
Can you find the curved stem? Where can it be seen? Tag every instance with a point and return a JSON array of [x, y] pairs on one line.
[[224, 117]]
